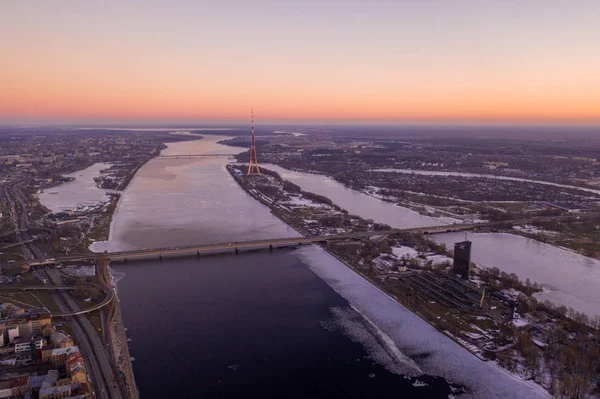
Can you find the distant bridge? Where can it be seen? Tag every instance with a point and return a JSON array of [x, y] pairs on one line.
[[287, 242], [196, 156], [252, 244]]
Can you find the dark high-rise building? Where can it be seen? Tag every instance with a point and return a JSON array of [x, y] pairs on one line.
[[462, 258]]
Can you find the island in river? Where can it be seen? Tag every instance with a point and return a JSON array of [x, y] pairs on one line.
[[244, 306]]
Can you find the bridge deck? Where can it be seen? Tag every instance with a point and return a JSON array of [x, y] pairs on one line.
[[188, 156], [278, 242]]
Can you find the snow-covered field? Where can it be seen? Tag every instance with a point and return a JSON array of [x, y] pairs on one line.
[[423, 348], [299, 201], [534, 230], [400, 252], [485, 176], [80, 270]]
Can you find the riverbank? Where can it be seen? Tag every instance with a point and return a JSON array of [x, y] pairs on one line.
[[186, 201], [489, 334]]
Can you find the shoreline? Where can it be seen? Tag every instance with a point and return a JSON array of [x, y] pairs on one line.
[[364, 277], [380, 289], [417, 208]]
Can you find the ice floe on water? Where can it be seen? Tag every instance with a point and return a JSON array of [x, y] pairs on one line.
[[379, 347], [432, 352]]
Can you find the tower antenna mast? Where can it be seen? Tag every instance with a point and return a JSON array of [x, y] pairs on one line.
[[253, 166]]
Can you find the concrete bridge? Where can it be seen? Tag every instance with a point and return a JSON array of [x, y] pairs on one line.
[[108, 297], [285, 242], [236, 246], [195, 156]]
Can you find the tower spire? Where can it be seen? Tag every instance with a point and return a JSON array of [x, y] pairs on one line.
[[253, 166]]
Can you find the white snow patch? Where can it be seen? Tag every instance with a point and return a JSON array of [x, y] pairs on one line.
[[433, 352]]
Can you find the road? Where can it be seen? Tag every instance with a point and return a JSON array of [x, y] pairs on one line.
[[279, 242], [102, 369], [192, 156], [103, 373], [109, 296]]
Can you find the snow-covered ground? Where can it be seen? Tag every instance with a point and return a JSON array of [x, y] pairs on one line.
[[432, 352], [461, 174], [534, 230], [408, 252], [386, 261], [356, 202], [300, 201], [80, 270]]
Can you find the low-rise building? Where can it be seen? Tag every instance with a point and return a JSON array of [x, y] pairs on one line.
[[19, 385], [13, 334], [56, 392], [31, 321], [36, 381], [27, 348], [60, 340], [76, 368], [50, 379], [59, 355], [5, 389]]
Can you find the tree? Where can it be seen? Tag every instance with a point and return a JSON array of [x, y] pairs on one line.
[[47, 331], [79, 290], [93, 292]]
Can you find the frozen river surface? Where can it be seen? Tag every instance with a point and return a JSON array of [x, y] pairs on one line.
[[81, 191]]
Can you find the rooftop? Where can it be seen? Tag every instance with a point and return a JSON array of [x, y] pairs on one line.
[[65, 351], [36, 381]]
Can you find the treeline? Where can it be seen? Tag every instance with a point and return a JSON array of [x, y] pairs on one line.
[[500, 280]]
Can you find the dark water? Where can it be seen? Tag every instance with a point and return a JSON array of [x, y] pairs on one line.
[[253, 325]]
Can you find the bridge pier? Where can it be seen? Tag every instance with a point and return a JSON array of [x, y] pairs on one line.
[[197, 254], [159, 256]]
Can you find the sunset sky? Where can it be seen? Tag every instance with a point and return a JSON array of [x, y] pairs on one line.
[[328, 60]]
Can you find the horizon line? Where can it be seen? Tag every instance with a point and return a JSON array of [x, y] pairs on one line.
[[328, 122]]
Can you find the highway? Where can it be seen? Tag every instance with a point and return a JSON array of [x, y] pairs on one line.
[[282, 242], [193, 156], [276, 242], [109, 296], [102, 372]]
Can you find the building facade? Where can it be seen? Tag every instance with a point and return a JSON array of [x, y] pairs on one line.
[[462, 259]]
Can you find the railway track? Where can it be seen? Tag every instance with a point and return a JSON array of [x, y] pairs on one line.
[[103, 377], [102, 373]]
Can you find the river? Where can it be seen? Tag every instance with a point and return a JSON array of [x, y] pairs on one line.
[[81, 191], [356, 202], [485, 176], [287, 323], [569, 278]]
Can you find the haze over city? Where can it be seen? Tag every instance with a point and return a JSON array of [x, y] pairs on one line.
[[391, 61]]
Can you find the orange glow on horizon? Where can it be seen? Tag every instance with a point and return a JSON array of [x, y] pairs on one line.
[[110, 61]]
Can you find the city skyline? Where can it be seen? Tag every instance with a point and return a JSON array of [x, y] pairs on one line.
[[384, 62]]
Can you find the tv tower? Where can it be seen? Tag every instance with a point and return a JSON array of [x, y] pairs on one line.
[[253, 166]]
